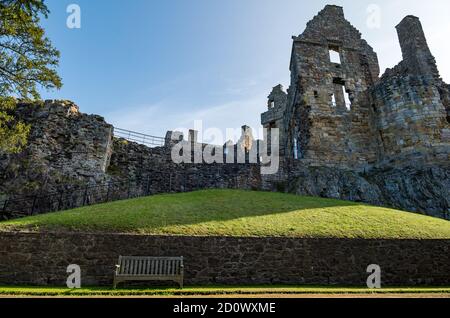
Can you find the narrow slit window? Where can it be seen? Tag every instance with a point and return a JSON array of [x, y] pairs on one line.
[[348, 102], [333, 100], [335, 57], [295, 148]]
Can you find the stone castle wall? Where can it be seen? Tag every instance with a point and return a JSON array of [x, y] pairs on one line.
[[411, 121], [388, 143], [422, 190], [409, 104], [72, 159], [134, 161], [42, 259], [65, 148], [399, 118], [326, 128]]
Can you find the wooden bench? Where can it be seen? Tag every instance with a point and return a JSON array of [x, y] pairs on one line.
[[136, 268]]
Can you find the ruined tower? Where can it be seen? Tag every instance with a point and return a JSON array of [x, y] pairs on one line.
[[417, 57], [410, 104], [274, 117], [339, 113], [326, 120]]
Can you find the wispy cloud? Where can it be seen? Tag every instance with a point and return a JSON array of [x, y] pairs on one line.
[[158, 118]]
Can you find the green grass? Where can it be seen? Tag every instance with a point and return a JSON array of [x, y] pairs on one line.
[[214, 291], [239, 213]]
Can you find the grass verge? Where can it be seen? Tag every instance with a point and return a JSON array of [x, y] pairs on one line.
[[214, 291]]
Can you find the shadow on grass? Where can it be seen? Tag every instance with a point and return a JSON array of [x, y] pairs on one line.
[[183, 209]]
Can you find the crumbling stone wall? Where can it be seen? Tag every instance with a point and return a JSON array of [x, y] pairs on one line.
[[135, 161], [274, 117], [322, 129], [65, 148], [388, 144], [423, 190], [402, 116], [408, 104], [411, 120]]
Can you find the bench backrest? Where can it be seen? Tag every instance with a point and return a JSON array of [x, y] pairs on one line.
[[150, 266]]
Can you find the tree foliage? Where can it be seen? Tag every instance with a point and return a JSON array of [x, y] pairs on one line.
[[28, 61]]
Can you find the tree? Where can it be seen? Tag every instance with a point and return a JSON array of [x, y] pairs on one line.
[[27, 61]]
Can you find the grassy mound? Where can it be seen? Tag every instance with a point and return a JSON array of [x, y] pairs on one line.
[[239, 213]]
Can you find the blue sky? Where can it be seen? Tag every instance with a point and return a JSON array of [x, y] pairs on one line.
[[153, 66]]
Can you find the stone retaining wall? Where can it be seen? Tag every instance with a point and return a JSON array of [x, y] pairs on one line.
[[42, 259]]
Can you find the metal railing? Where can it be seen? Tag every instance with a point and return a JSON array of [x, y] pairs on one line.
[[147, 140]]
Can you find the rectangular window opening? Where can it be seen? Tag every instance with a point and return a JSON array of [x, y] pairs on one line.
[[271, 104], [335, 56]]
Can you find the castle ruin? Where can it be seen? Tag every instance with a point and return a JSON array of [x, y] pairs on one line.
[[338, 112], [345, 133]]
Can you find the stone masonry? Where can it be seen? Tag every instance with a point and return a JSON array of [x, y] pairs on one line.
[[74, 159], [42, 259], [341, 114], [345, 130], [65, 148]]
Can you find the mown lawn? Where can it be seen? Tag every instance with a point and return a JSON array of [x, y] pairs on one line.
[[214, 291], [239, 213]]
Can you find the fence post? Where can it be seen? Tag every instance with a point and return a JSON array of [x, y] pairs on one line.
[[34, 204], [129, 189]]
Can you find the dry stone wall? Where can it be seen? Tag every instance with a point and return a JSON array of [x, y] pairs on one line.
[[42, 259]]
